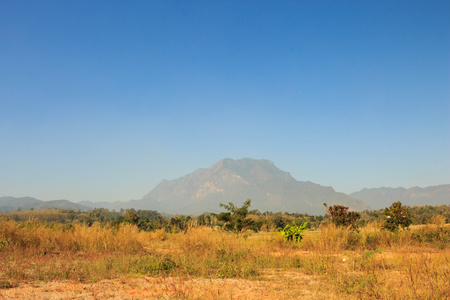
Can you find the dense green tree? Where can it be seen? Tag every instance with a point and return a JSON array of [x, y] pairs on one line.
[[396, 216], [236, 218], [131, 216]]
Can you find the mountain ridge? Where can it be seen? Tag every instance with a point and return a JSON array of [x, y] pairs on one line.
[[229, 180], [9, 203], [270, 189], [381, 197]]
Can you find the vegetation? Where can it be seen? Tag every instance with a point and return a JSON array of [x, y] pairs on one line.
[[340, 216], [293, 232], [150, 220], [362, 264], [396, 216], [236, 218], [328, 261]]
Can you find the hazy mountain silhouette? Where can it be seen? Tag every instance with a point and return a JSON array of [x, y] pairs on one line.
[[378, 198], [270, 189], [8, 204]]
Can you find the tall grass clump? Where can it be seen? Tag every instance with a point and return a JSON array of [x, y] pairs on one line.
[[206, 252], [53, 237], [331, 238]]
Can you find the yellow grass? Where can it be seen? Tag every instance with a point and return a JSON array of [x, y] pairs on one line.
[[202, 263]]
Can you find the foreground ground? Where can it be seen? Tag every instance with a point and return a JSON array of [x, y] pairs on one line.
[[278, 285], [38, 261]]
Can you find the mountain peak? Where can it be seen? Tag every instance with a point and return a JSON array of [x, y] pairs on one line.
[[248, 167], [230, 163], [270, 189]]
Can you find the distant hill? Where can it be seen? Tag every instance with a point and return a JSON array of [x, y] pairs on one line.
[[118, 205], [270, 189], [378, 198], [8, 204]]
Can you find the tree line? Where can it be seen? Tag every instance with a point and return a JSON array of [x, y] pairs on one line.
[[236, 218]]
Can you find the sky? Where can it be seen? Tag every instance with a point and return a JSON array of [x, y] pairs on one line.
[[102, 100]]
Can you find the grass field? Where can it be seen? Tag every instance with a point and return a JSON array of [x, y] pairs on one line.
[[51, 261]]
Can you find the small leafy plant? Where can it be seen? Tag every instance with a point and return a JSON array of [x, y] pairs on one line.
[[4, 243], [293, 232]]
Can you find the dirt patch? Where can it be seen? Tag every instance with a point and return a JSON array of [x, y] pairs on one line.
[[272, 285]]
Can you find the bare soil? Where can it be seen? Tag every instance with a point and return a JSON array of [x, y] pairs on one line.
[[272, 285]]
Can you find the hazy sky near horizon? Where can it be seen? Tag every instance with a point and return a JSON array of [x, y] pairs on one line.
[[101, 100]]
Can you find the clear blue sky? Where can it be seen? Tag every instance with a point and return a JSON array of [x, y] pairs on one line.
[[101, 100]]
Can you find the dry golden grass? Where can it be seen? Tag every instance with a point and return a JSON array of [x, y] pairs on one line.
[[50, 261], [54, 237]]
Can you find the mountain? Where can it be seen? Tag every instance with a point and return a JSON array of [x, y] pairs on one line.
[[379, 198], [8, 204], [118, 205], [269, 188], [12, 204]]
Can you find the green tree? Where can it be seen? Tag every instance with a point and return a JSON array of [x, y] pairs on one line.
[[396, 216], [340, 216], [203, 220], [236, 218], [131, 216], [278, 221]]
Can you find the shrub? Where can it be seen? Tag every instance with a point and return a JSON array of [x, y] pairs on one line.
[[294, 232], [340, 216], [396, 216], [236, 218]]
